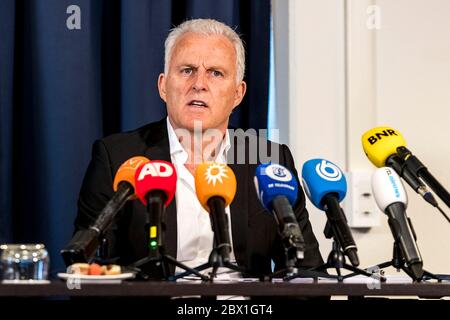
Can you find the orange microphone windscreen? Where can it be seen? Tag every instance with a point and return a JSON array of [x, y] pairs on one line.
[[127, 172], [214, 180]]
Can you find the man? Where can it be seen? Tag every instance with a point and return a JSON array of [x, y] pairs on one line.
[[201, 85]]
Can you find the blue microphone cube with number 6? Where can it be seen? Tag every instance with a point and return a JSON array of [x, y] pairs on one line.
[[272, 180], [321, 177]]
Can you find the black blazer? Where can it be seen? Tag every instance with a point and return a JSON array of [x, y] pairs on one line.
[[254, 230]]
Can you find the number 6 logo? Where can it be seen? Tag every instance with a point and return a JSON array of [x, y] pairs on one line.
[[328, 171]]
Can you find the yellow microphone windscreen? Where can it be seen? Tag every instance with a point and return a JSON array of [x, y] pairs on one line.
[[381, 142]]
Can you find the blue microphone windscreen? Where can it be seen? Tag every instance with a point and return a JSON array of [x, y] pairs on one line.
[[272, 180], [321, 177]]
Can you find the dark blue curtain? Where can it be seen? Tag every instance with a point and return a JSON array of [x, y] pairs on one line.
[[62, 88]]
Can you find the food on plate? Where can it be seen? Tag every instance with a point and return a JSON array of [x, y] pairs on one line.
[[111, 269], [94, 269], [79, 268]]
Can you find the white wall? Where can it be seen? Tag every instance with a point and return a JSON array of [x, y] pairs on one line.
[[413, 94], [312, 97], [338, 79]]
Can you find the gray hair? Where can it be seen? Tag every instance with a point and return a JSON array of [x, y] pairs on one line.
[[206, 27]]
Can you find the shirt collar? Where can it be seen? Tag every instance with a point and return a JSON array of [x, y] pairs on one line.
[[179, 155], [177, 152], [224, 147]]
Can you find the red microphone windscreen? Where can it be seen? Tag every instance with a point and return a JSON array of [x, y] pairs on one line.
[[156, 175]]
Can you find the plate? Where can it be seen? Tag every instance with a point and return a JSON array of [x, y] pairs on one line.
[[116, 278]]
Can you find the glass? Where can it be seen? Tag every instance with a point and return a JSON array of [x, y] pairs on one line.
[[24, 262]]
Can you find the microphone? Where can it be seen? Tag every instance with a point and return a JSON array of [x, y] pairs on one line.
[[84, 243], [215, 185], [326, 187], [381, 145], [420, 170], [391, 198], [277, 190], [155, 187]]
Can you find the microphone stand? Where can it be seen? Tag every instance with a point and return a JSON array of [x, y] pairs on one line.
[[215, 261], [294, 248], [220, 254], [292, 271], [336, 260], [156, 265], [399, 263]]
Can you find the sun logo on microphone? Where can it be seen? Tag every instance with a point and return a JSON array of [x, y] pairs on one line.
[[215, 172]]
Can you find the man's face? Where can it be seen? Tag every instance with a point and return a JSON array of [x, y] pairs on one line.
[[201, 82]]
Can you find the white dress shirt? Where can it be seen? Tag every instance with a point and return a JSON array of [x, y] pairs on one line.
[[194, 234]]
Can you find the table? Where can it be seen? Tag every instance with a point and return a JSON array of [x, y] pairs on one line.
[[59, 288]]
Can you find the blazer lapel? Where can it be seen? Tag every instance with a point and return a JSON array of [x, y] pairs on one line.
[[239, 207]]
